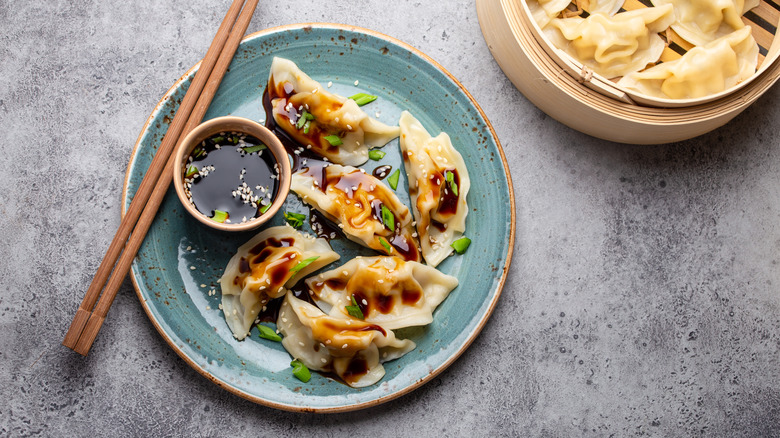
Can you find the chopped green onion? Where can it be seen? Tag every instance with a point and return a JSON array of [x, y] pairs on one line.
[[198, 152], [264, 208], [234, 140], [376, 155], [305, 117], [354, 309], [300, 371], [268, 333], [254, 148], [220, 216], [388, 218], [461, 244], [363, 98], [450, 177], [303, 263], [192, 170], [219, 139], [385, 244], [306, 126], [294, 219], [334, 140], [393, 179]]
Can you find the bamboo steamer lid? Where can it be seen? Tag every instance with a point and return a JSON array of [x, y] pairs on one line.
[[596, 106]]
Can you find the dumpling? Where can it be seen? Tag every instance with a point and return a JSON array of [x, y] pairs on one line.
[[293, 94], [353, 349], [263, 267], [613, 46], [389, 291], [364, 208], [544, 10], [609, 7], [702, 71], [702, 21], [438, 185]]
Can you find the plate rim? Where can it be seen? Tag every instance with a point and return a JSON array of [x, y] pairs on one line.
[[433, 373]]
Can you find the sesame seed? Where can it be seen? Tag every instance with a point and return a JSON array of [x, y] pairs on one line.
[[330, 84], [192, 268], [356, 83], [323, 360], [365, 303], [208, 307]]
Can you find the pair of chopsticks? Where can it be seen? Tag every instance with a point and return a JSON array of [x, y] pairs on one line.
[[143, 208]]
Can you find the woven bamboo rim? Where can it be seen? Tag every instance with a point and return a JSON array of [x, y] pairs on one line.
[[528, 64]]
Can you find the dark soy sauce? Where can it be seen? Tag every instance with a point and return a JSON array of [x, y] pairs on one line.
[[224, 169], [381, 172]]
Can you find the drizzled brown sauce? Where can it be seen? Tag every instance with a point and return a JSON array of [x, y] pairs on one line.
[[279, 271]]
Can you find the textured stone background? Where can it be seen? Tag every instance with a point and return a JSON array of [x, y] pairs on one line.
[[643, 297]]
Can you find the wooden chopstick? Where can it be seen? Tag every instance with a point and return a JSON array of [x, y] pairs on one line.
[[87, 323]]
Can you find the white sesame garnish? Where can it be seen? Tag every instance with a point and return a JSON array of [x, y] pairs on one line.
[[192, 268], [356, 83], [330, 84]]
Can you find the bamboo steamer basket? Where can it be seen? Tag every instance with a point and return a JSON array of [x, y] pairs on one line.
[[561, 87]]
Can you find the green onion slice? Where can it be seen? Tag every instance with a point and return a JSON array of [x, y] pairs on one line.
[[363, 98], [294, 219], [300, 371], [254, 148], [333, 139], [450, 177], [192, 170], [386, 245], [354, 309], [393, 179], [265, 208], [268, 333], [218, 140], [198, 152], [376, 155], [305, 117], [220, 216], [303, 263], [388, 218], [306, 127], [461, 244]]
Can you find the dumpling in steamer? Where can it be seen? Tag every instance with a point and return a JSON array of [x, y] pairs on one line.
[[365, 209], [262, 268], [702, 71], [353, 349], [613, 46], [438, 185], [544, 10], [389, 291], [702, 21], [609, 7], [294, 95]]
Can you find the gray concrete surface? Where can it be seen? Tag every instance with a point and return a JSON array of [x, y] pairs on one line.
[[642, 301]]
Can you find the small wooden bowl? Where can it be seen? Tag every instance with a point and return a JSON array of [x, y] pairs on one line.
[[597, 106], [232, 124]]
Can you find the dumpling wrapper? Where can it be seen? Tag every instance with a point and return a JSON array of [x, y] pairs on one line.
[[353, 349], [291, 91], [702, 21], [609, 7], [702, 71], [353, 199], [544, 10], [261, 270], [389, 291], [613, 46], [439, 211]]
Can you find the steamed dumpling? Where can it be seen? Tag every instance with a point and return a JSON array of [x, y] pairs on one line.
[[609, 7], [389, 291], [438, 184], [262, 268], [702, 71], [702, 21], [292, 92], [544, 10], [613, 46], [353, 349], [364, 208]]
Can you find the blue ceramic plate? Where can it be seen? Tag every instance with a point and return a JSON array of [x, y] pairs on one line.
[[181, 260]]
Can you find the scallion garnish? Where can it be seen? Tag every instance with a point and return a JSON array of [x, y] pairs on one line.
[[268, 333], [198, 152], [303, 263], [254, 148], [354, 309], [386, 245], [264, 208], [388, 218], [192, 170], [393, 179], [220, 216], [218, 140], [333, 139], [376, 155], [234, 139], [363, 98], [300, 371], [306, 127], [294, 219], [450, 177], [461, 244]]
